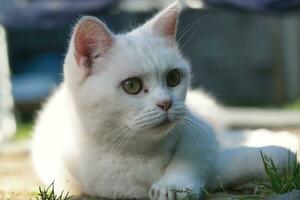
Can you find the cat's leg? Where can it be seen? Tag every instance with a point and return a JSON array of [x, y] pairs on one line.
[[240, 160], [190, 165]]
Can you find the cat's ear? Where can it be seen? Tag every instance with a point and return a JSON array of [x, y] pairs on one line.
[[91, 39], [165, 22]]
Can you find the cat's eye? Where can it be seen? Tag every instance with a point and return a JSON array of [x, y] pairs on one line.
[[173, 78], [132, 85]]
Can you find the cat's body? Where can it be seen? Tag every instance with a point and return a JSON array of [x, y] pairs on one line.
[[68, 155], [118, 126]]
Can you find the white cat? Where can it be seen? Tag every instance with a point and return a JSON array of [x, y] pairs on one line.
[[118, 126]]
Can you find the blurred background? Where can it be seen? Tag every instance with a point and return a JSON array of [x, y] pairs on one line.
[[244, 52]]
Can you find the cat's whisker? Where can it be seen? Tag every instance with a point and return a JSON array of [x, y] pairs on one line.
[[190, 134], [196, 126], [195, 123], [124, 130], [118, 146], [188, 123], [147, 112], [179, 112], [123, 136], [180, 107], [189, 38], [120, 135], [189, 27], [149, 123], [192, 34], [119, 138], [141, 118], [148, 120], [186, 29], [121, 131], [126, 139], [134, 134]]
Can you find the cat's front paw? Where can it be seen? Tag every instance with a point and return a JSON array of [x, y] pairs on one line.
[[179, 191]]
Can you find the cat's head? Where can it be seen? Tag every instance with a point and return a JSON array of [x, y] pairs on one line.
[[136, 80]]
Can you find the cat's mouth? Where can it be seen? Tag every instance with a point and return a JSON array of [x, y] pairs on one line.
[[160, 123], [164, 123]]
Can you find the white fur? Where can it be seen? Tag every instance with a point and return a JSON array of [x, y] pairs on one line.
[[206, 107], [91, 137]]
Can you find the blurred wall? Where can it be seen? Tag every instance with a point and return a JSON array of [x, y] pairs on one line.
[[242, 58]]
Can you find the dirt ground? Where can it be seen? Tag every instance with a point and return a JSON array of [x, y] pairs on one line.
[[17, 178]]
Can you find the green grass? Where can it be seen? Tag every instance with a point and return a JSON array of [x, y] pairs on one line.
[[282, 180], [24, 130], [279, 180], [49, 194]]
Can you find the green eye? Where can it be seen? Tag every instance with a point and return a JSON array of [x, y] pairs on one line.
[[173, 78], [132, 85]]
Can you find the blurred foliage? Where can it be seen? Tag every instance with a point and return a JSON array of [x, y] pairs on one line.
[[24, 130], [294, 106]]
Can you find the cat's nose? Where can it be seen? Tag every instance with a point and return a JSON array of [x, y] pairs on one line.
[[165, 105]]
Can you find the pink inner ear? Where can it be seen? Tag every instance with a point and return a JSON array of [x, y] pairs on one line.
[[84, 48], [166, 22], [92, 39]]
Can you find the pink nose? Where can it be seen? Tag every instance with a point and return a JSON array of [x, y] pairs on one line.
[[165, 105]]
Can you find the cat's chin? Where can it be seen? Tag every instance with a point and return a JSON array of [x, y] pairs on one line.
[[164, 126], [165, 123]]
